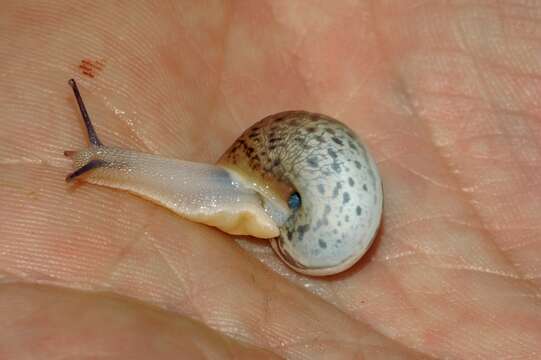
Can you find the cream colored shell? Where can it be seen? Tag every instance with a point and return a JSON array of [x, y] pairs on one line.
[[337, 179]]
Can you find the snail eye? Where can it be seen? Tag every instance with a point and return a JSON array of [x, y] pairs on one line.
[[294, 201]]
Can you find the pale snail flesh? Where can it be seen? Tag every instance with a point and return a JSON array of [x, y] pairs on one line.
[[303, 180]]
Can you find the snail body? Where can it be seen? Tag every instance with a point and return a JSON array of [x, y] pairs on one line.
[[301, 179]]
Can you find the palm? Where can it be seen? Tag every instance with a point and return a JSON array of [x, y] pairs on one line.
[[445, 96]]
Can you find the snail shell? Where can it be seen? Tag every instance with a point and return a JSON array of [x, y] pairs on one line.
[[336, 179], [302, 179]]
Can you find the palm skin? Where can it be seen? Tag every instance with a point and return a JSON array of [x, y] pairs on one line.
[[446, 95]]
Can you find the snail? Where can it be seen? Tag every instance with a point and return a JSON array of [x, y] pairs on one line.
[[303, 180]]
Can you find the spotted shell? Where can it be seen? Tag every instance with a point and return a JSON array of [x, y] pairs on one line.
[[322, 162]]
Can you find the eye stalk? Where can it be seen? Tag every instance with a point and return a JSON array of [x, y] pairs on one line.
[[92, 136]]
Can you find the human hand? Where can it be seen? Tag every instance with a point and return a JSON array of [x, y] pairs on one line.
[[445, 96]]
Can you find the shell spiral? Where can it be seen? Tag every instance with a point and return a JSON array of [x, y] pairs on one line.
[[341, 196]]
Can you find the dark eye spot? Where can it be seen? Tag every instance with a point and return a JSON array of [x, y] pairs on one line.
[[294, 201]]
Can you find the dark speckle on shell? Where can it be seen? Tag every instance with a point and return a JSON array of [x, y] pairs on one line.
[[312, 162]]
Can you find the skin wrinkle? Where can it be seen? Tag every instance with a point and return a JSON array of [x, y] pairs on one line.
[[415, 111], [405, 299], [424, 177], [275, 350], [478, 189], [463, 126], [116, 266], [485, 230], [186, 282], [402, 254], [316, 340], [144, 139], [412, 105], [485, 271], [392, 229], [446, 95], [55, 162], [390, 136], [295, 57], [142, 236], [295, 68], [146, 315], [482, 227], [337, 344], [494, 110], [268, 317], [526, 243], [219, 70], [191, 288]]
